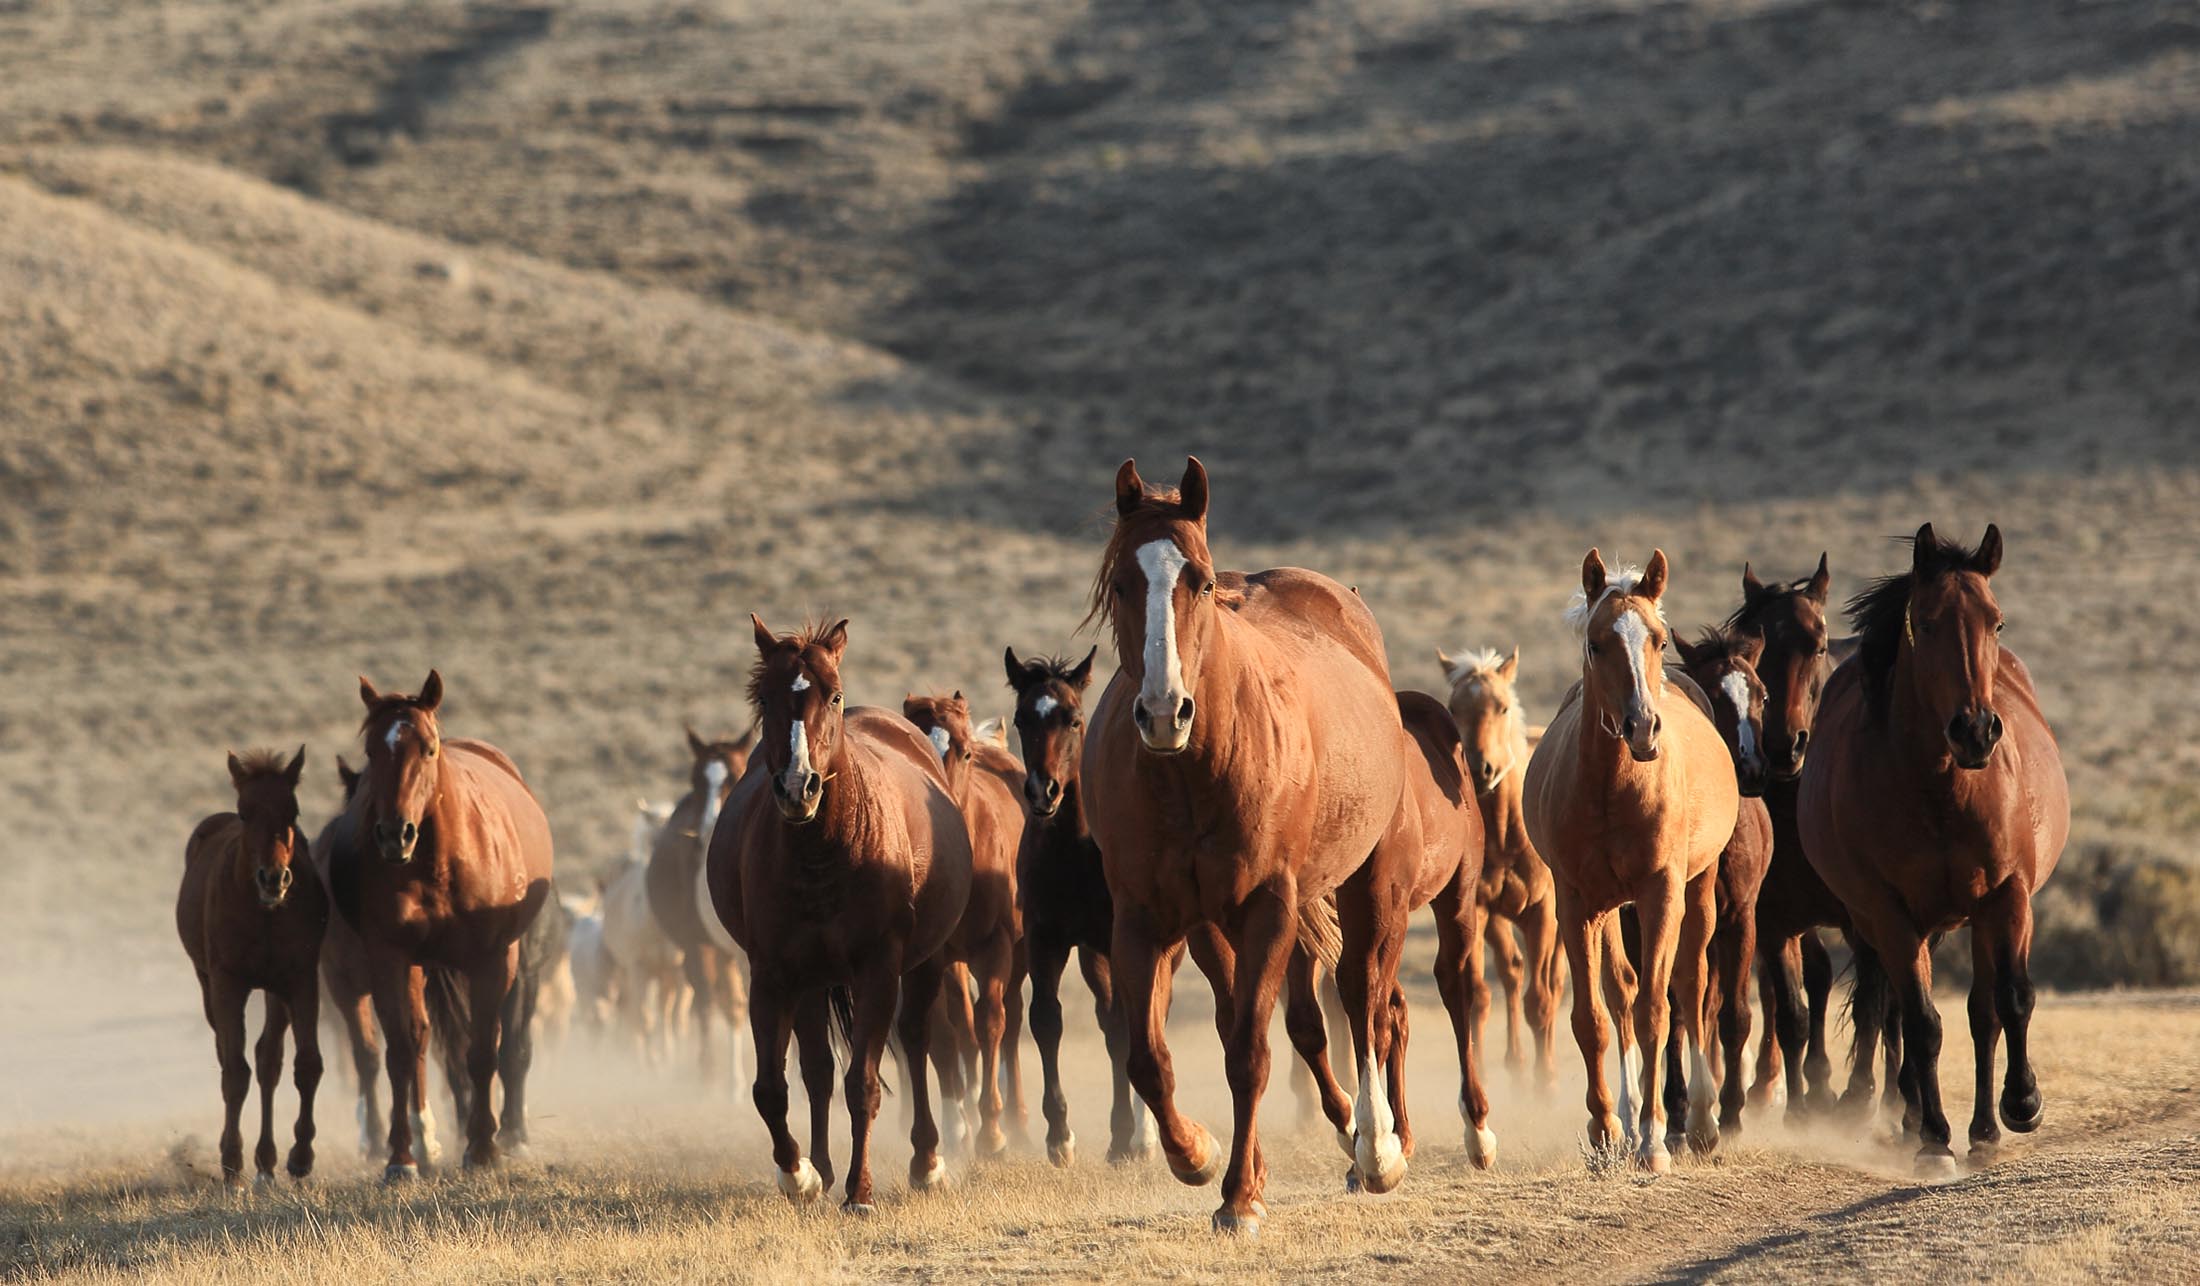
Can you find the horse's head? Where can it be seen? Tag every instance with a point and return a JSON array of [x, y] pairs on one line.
[[1724, 664], [713, 768], [349, 778], [1951, 633], [1157, 589], [1791, 617], [1050, 723], [946, 722], [267, 809], [1623, 636], [404, 764], [1487, 709], [795, 688]]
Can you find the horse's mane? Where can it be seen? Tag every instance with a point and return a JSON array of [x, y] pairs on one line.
[[1758, 600], [810, 633], [262, 763], [1162, 503], [1621, 582], [1478, 665], [1719, 643], [1056, 668], [1878, 611]]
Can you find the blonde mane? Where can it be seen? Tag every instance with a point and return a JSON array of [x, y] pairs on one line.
[[1621, 583]]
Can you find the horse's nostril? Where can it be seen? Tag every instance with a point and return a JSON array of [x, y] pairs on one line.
[[1802, 739], [408, 833], [1184, 712]]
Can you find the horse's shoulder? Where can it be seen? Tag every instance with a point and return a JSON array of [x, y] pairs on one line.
[[485, 753], [210, 831], [1002, 765]]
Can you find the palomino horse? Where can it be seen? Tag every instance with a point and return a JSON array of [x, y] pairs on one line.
[[444, 863], [1242, 765], [1516, 885], [987, 783], [1064, 889], [679, 894], [842, 866], [1935, 797], [251, 918], [1723, 664], [1440, 832], [1630, 798]]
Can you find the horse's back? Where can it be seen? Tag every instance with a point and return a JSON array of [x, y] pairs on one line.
[[1437, 798], [1304, 610], [211, 840], [491, 779]]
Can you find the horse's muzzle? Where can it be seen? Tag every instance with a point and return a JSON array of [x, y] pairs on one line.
[[1483, 774], [1789, 765], [1042, 794], [274, 885], [1750, 776], [396, 843], [1168, 733], [798, 803], [1972, 736], [1641, 732]]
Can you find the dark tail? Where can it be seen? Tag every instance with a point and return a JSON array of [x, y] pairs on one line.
[[450, 1030], [1869, 995], [842, 1002]]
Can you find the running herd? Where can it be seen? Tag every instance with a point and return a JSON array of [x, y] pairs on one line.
[[1249, 789]]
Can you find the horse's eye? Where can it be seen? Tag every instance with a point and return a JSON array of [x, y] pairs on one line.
[[1207, 590], [1121, 590], [1592, 649], [837, 699], [2000, 625], [432, 748], [1077, 723]]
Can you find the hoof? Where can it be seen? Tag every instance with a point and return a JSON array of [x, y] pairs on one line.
[[1482, 1147], [300, 1163], [401, 1172], [932, 1178], [1204, 1164], [1136, 1152], [860, 1209], [1352, 1181], [1064, 1153], [486, 1159], [1703, 1137], [1653, 1158], [1344, 1143], [992, 1141], [1389, 1170], [2021, 1116], [1984, 1152], [801, 1185], [517, 1149], [263, 1179], [1935, 1163], [1245, 1225]]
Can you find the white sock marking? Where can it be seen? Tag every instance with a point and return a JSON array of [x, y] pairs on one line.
[[1377, 1150]]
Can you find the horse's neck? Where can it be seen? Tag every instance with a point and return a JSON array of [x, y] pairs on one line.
[[1067, 826], [1604, 757], [1232, 704], [847, 816], [1504, 818]]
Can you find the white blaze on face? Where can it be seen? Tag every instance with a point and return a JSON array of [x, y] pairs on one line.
[[397, 730], [1163, 564], [1736, 689], [798, 745], [1634, 639], [941, 741], [1045, 705], [714, 785]]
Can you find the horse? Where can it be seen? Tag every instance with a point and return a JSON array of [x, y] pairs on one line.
[[842, 866], [1441, 830], [1630, 797], [347, 986], [1723, 665], [1936, 797], [1516, 885], [444, 863], [987, 784], [1243, 765], [648, 962], [251, 917], [679, 894]]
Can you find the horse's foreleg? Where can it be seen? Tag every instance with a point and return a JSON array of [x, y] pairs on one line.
[[267, 1058], [1539, 926], [401, 1003], [770, 1026], [1620, 986], [1733, 945], [1659, 905], [366, 1063], [698, 968], [1765, 1089], [1141, 992], [1262, 942], [814, 1051], [1582, 934], [305, 1020], [1458, 977], [1019, 1113], [1699, 917], [225, 1001], [1497, 930], [486, 988], [1818, 987], [1985, 1037], [920, 989], [2021, 1106], [1302, 1020], [877, 993], [1913, 978], [1049, 957], [994, 968]]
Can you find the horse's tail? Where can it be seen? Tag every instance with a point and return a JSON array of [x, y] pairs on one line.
[[842, 1002], [1319, 932], [450, 1030], [1869, 995]]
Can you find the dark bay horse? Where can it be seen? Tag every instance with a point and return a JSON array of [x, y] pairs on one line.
[[444, 863], [1723, 664], [1066, 905], [842, 866], [679, 892], [1935, 797], [1631, 797], [251, 916], [987, 783], [1242, 765]]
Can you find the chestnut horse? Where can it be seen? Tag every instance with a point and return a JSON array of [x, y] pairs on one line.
[[1723, 664], [987, 784], [1063, 886], [679, 893], [842, 866], [1630, 798], [1516, 886], [1935, 797], [444, 863], [251, 916], [1243, 764], [1440, 833]]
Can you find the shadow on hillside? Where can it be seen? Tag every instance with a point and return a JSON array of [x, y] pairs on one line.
[[1507, 259]]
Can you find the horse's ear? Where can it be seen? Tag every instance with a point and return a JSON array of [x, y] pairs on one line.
[[1752, 645], [1510, 670], [1921, 548], [1988, 560], [346, 777], [1130, 489], [765, 639], [1081, 674], [1821, 582], [297, 767], [431, 692], [1193, 489], [236, 771], [696, 745], [835, 639], [1751, 586], [1014, 667], [1689, 651], [1593, 576], [747, 741], [367, 694], [1652, 584], [1446, 664]]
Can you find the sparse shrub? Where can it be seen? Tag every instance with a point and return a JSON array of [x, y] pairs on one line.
[[2116, 918]]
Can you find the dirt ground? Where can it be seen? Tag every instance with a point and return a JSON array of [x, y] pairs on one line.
[[541, 343]]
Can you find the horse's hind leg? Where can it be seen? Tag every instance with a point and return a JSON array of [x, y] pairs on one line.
[[1766, 1088], [486, 988], [516, 1056], [994, 969], [1539, 927], [1733, 945], [305, 1018], [814, 1050], [1012, 1039], [1783, 964], [1460, 983], [1871, 1005], [920, 989], [1818, 987], [357, 1013], [1302, 1020], [1512, 973], [2011, 929]]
